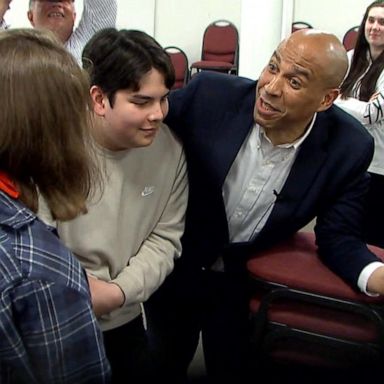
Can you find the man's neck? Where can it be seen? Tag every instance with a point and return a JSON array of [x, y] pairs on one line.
[[289, 135]]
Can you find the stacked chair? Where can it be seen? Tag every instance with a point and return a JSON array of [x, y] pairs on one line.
[[180, 64], [220, 48], [307, 320]]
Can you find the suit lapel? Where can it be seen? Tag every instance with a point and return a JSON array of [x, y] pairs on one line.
[[310, 159], [235, 126], [234, 130]]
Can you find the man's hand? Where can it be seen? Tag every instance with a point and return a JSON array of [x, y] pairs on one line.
[[105, 296], [375, 282]]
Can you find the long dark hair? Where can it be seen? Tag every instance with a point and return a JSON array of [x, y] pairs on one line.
[[360, 63]]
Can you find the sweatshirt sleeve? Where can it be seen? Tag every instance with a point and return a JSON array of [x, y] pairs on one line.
[[155, 259]]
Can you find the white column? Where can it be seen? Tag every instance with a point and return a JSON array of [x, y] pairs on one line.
[[263, 25]]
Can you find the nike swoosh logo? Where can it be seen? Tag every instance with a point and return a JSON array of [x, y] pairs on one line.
[[147, 191]]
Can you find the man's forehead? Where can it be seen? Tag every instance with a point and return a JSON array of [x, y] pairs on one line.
[[47, 2], [296, 57]]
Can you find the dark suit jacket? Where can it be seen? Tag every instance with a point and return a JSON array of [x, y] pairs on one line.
[[328, 180]]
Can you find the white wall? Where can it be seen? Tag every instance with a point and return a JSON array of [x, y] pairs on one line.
[[182, 22], [254, 55], [336, 16], [17, 15], [136, 14]]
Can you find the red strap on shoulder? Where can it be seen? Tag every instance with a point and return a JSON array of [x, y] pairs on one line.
[[8, 186]]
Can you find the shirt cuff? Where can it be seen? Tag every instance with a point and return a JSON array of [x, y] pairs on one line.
[[365, 274]]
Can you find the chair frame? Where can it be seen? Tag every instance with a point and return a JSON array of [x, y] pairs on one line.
[[267, 328], [298, 25], [174, 50], [235, 65], [370, 311]]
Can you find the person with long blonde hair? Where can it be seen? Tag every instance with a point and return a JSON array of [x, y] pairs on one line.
[[48, 331]]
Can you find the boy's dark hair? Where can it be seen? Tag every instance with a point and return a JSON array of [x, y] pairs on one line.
[[118, 59]]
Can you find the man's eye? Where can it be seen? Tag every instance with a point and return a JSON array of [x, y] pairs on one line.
[[272, 67], [295, 83]]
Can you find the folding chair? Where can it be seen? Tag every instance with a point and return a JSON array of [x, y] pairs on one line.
[[350, 37], [220, 49], [180, 64], [305, 316]]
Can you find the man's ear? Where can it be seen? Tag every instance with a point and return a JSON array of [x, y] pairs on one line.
[[99, 100], [30, 17], [328, 99]]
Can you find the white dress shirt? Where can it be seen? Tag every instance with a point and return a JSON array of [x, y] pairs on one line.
[[254, 181], [253, 184], [97, 14]]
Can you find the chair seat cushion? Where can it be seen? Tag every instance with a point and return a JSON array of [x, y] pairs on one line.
[[212, 65], [296, 264]]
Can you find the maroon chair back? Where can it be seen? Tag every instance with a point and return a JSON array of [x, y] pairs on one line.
[[220, 48], [220, 42], [350, 37], [180, 64]]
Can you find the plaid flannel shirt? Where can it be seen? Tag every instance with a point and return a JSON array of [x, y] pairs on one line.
[[48, 332]]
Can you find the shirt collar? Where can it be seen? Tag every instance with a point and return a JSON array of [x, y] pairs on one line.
[[13, 213]]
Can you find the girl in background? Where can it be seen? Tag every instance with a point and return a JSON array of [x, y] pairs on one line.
[[362, 95]]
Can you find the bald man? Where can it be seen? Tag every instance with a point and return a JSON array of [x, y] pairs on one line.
[[265, 158]]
